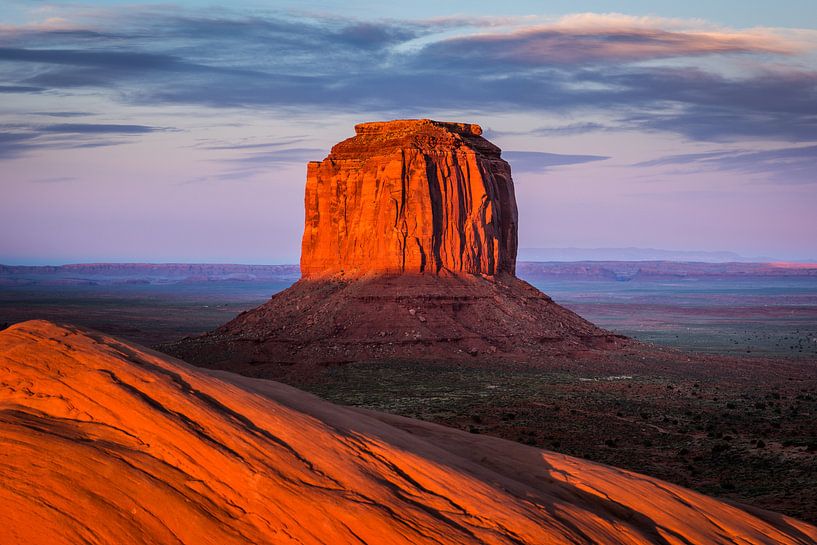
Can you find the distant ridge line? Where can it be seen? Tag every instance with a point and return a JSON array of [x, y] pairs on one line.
[[531, 270], [643, 254]]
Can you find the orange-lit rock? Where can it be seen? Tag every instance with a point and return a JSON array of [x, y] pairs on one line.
[[412, 196], [409, 253], [106, 442]]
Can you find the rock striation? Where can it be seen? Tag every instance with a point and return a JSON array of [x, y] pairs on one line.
[[102, 441], [409, 253], [410, 196]]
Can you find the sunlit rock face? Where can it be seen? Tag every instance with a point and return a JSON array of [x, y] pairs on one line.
[[410, 196], [409, 254], [103, 442]]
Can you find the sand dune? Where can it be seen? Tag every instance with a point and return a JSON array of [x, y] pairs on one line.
[[107, 442]]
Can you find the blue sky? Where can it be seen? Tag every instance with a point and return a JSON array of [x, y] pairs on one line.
[[179, 131]]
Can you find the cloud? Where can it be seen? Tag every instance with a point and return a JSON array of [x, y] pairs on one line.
[[54, 180], [284, 156], [118, 60], [729, 123], [572, 128], [613, 41], [256, 145], [373, 35], [63, 114], [98, 128], [775, 104], [20, 89], [534, 161], [17, 140], [793, 165], [249, 165], [554, 130], [636, 71], [13, 144]]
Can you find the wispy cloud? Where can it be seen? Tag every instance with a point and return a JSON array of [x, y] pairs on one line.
[[284, 156], [643, 73], [18, 140], [54, 180], [248, 165], [62, 114], [794, 165], [534, 161], [249, 145], [98, 128], [572, 128], [20, 89], [609, 39], [13, 144]]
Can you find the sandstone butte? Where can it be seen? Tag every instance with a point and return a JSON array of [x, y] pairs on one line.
[[409, 253], [106, 442], [410, 196]]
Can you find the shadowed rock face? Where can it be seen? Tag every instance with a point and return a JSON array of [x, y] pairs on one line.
[[107, 442], [406, 318], [410, 196]]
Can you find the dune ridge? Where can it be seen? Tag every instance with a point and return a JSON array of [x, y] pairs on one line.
[[102, 441]]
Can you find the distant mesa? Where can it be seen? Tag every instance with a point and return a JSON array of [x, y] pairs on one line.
[[102, 441], [409, 253]]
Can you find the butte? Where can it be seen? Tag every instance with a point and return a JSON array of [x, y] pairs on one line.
[[408, 254]]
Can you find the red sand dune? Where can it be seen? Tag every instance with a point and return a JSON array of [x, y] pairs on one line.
[[106, 442]]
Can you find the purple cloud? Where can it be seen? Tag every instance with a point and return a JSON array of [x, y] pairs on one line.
[[578, 64], [793, 165], [534, 161]]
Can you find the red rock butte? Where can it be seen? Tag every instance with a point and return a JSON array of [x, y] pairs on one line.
[[410, 196], [409, 253]]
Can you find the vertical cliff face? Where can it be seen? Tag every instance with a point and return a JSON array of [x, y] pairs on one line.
[[429, 208], [410, 196]]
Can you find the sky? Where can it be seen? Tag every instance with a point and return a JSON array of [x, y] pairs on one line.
[[179, 131]]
